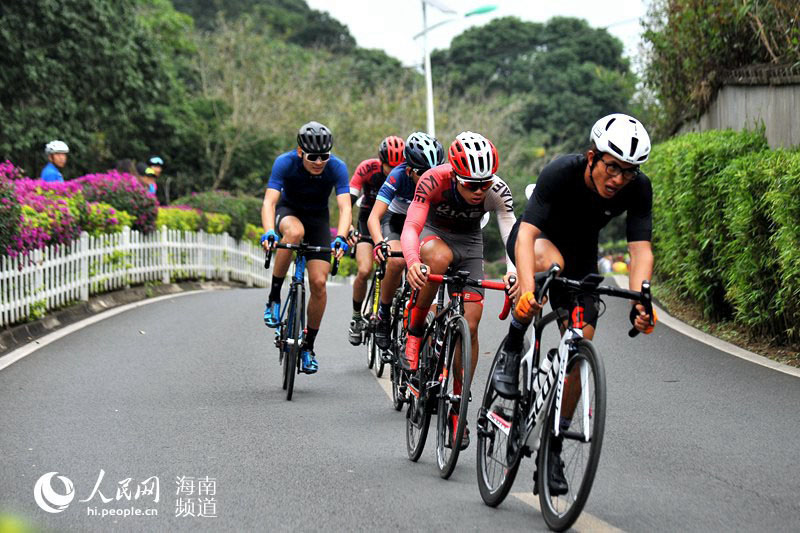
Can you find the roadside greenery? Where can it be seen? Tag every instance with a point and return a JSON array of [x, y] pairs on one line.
[[726, 230]]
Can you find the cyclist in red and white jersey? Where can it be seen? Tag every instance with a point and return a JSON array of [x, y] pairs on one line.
[[442, 229], [367, 181]]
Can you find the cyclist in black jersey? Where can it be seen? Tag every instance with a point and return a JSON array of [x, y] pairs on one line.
[[575, 197]]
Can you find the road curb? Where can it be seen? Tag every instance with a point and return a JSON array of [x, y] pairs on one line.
[[22, 334], [724, 346]]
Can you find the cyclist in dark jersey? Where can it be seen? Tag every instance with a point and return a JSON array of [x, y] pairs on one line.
[[296, 203], [575, 197], [388, 215], [367, 180], [448, 204]]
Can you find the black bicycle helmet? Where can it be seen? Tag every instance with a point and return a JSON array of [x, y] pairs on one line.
[[423, 151], [315, 138]]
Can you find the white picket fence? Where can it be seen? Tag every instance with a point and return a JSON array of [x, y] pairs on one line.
[[59, 275]]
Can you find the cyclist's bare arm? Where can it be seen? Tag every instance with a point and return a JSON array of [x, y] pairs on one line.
[[641, 269], [525, 256], [374, 221], [271, 197], [345, 217]]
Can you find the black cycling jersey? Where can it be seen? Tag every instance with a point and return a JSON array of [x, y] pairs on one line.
[[571, 215]]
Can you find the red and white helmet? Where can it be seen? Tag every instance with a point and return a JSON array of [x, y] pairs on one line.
[[473, 156], [622, 136]]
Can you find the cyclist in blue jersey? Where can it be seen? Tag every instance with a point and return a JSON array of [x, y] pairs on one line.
[[295, 209], [388, 215]]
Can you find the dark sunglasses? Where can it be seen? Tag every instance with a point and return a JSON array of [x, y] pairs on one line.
[[614, 170], [314, 157], [475, 185], [419, 171]]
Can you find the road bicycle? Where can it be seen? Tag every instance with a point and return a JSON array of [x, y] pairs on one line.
[[445, 353], [569, 377], [291, 330], [398, 332], [369, 311]]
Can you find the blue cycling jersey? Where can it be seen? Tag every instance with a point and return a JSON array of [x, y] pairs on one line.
[[397, 190], [50, 172], [303, 191]]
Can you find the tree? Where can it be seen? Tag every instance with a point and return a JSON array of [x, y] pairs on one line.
[[564, 73], [291, 20], [692, 44], [83, 71]]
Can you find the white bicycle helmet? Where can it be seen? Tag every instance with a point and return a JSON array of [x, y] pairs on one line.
[[56, 147], [622, 136], [473, 156]]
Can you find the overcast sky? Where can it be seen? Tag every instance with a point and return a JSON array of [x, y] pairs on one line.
[[391, 24]]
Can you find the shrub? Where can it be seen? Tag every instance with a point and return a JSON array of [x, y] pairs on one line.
[[689, 197], [252, 233], [187, 218], [51, 213], [124, 192], [9, 216], [180, 218], [241, 209], [761, 263], [103, 218], [216, 222], [10, 172]]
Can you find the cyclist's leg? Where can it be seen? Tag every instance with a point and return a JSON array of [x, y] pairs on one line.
[[506, 376], [572, 386], [318, 271], [392, 228], [364, 262], [394, 274], [317, 233], [435, 253], [291, 230]]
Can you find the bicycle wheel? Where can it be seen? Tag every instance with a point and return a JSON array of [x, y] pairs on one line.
[[448, 442], [498, 453], [284, 353], [378, 363], [397, 374], [418, 414], [580, 442], [367, 336], [293, 355]]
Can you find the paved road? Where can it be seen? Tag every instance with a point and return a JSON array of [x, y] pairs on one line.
[[190, 387]]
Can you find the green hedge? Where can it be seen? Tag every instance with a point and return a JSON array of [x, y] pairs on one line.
[[241, 209], [689, 196], [189, 219], [727, 228]]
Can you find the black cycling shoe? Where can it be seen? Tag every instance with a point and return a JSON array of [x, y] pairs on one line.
[[555, 472], [383, 334], [505, 379]]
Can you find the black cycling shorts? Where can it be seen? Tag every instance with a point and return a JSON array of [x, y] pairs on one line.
[[316, 227], [392, 225], [576, 266]]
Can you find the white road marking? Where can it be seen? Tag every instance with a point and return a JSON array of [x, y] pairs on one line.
[[585, 522], [712, 341], [24, 351]]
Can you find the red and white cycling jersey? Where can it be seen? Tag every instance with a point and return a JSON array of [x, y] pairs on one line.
[[438, 203], [367, 180]]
